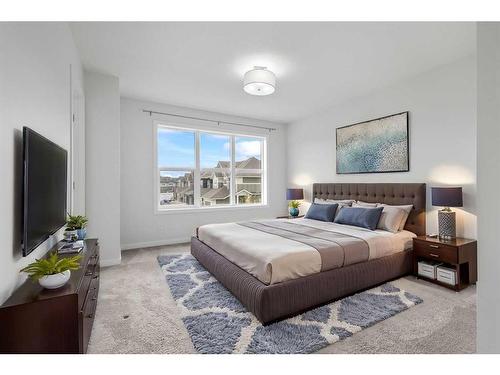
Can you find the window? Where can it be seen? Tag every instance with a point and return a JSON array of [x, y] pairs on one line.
[[215, 172], [199, 169], [176, 166], [248, 169]]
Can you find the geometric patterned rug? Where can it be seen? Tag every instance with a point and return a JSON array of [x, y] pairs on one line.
[[218, 323]]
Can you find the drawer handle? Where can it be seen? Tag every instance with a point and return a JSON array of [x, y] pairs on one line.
[[434, 255], [434, 246], [90, 316], [96, 277], [94, 298], [88, 273]]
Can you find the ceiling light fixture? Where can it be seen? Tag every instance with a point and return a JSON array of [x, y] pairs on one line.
[[259, 81]]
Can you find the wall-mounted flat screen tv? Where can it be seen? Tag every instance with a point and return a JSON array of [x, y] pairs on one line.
[[44, 189]]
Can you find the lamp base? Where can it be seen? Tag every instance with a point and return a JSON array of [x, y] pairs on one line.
[[447, 224]]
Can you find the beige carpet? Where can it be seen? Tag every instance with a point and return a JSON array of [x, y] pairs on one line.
[[137, 314]]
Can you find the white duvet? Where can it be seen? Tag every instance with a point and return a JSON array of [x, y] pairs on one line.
[[273, 259]]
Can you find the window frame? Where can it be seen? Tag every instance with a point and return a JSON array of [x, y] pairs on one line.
[[197, 207]]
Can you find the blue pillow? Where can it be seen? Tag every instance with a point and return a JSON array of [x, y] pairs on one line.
[[360, 217], [321, 212]]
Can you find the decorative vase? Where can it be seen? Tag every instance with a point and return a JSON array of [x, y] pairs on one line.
[[70, 235], [294, 211], [55, 281], [82, 233], [447, 224]]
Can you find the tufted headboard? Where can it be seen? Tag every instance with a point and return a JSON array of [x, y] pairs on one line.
[[397, 193]]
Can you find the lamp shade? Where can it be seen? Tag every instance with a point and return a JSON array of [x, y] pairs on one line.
[[447, 196], [292, 194], [259, 81]]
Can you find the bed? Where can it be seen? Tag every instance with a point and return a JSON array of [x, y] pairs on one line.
[[247, 257]]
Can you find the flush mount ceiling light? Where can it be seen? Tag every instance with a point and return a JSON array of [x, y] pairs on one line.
[[259, 81]]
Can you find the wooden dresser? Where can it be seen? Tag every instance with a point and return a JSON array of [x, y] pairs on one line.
[[36, 320]]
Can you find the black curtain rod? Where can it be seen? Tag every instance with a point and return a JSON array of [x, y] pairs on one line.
[[206, 119]]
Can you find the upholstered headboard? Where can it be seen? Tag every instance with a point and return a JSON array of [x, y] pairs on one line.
[[397, 193]]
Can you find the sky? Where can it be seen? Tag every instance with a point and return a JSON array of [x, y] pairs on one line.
[[176, 148]]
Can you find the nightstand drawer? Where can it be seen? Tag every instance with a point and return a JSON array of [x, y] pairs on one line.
[[440, 252]]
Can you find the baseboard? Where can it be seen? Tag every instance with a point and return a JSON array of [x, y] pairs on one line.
[[110, 262], [172, 241]]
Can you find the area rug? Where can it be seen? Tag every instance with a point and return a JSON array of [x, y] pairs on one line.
[[219, 324]]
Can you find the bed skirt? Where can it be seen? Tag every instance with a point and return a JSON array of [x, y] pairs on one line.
[[278, 301]]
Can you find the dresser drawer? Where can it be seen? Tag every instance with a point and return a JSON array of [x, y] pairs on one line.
[[87, 314], [90, 270], [439, 252], [94, 285]]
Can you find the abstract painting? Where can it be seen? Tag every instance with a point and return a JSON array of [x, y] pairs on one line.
[[375, 146]]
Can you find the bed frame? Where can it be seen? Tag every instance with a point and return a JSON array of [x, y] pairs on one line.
[[278, 301]]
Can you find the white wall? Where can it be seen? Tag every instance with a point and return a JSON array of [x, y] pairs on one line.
[[34, 92], [442, 106], [140, 226], [102, 180], [488, 177]]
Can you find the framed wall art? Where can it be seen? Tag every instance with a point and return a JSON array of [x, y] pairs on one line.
[[374, 146]]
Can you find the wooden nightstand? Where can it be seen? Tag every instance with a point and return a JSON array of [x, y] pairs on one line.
[[289, 217], [457, 253]]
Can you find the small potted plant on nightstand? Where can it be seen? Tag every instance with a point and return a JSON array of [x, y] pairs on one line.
[[76, 227], [294, 207], [52, 272]]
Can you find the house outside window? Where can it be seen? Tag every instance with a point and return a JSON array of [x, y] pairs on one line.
[[198, 169]]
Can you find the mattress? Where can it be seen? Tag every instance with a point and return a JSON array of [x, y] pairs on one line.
[[279, 250]]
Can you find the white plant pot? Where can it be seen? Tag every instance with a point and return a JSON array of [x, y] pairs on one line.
[[55, 281]]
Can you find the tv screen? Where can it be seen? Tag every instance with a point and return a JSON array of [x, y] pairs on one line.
[[45, 186]]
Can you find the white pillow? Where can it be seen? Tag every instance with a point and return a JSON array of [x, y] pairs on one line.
[[390, 219], [406, 208], [333, 201], [365, 204]]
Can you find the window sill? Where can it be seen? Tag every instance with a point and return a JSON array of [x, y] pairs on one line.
[[186, 210]]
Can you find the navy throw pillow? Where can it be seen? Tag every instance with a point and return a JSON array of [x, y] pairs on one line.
[[360, 217], [321, 212]]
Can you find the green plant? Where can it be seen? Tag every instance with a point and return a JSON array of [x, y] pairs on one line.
[[76, 222], [51, 265], [294, 204]]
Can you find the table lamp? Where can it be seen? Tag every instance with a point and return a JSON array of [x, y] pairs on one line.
[[447, 197]]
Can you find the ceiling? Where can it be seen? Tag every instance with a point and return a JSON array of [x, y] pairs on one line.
[[201, 64]]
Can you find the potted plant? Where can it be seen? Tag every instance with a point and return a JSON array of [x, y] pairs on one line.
[[76, 226], [294, 207], [52, 272]]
